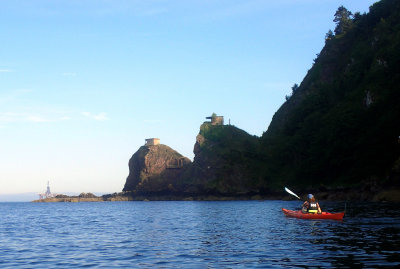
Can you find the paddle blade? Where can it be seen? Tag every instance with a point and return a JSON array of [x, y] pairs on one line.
[[292, 193]]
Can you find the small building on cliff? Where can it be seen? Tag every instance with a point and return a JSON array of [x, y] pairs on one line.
[[152, 141], [215, 120]]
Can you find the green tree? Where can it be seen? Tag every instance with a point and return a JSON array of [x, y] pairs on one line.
[[295, 87], [329, 35], [213, 116], [343, 19]]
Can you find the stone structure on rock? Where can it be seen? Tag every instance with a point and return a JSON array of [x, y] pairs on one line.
[[152, 141], [215, 120]]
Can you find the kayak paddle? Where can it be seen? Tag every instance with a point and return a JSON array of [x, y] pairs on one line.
[[292, 193]]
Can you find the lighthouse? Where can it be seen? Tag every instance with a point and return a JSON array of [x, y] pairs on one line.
[[48, 192]]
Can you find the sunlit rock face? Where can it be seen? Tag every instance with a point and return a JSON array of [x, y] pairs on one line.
[[155, 168]]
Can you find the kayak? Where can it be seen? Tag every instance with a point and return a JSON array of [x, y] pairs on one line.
[[324, 215]]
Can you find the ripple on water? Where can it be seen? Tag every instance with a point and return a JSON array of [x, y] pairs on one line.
[[240, 234]]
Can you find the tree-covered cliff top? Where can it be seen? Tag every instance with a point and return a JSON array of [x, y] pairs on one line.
[[341, 125]]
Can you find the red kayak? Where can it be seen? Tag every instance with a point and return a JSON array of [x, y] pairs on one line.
[[324, 215]]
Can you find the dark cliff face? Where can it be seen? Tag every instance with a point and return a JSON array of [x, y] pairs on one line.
[[341, 126], [155, 169]]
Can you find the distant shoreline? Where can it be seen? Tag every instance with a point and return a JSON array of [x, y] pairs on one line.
[[390, 195], [126, 198]]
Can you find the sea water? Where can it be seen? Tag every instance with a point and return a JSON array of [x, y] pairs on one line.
[[234, 234]]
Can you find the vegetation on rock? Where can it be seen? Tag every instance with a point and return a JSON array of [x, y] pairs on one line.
[[341, 126], [338, 129], [227, 161]]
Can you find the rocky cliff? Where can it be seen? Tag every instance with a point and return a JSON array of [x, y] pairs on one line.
[[226, 162], [155, 169], [227, 165], [341, 126], [338, 131]]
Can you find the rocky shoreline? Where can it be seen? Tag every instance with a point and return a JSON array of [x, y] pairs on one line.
[[68, 200], [390, 195]]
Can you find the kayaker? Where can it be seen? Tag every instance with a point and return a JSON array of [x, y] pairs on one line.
[[311, 205]]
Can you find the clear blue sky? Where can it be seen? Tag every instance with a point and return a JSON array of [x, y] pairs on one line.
[[83, 83]]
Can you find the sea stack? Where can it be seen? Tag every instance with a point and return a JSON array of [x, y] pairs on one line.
[[155, 168]]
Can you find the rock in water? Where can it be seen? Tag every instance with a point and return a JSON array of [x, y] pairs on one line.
[[155, 169]]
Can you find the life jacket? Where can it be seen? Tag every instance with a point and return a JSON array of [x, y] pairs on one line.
[[312, 207]]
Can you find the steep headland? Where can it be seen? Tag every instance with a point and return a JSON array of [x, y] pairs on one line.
[[340, 128], [337, 132]]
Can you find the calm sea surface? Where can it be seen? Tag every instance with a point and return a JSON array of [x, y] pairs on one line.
[[238, 234]]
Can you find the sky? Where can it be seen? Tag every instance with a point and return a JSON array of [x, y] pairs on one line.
[[84, 83]]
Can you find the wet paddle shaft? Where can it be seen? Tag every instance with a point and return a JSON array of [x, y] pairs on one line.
[[292, 193]]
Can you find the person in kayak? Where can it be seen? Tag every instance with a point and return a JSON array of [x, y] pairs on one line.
[[311, 205]]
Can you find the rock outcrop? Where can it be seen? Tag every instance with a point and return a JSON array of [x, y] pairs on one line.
[[226, 162], [155, 169]]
